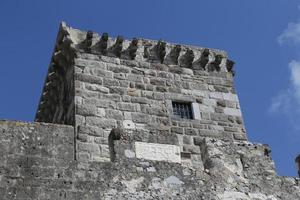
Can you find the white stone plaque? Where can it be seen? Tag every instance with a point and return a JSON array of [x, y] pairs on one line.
[[159, 152]]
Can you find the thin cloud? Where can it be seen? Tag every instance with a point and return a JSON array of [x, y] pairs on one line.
[[287, 102], [291, 34], [294, 67], [284, 104]]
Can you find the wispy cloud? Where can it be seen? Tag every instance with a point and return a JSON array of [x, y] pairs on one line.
[[291, 34], [287, 102], [294, 67]]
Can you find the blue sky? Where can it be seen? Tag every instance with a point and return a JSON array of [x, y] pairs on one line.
[[262, 37]]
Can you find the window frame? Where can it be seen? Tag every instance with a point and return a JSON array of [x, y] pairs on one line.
[[183, 110]]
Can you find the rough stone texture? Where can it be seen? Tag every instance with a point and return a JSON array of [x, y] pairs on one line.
[[57, 99], [118, 94], [110, 88], [37, 163]]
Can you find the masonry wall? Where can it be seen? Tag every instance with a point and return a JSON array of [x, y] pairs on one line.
[[57, 98], [37, 164], [98, 83], [112, 92], [33, 158]]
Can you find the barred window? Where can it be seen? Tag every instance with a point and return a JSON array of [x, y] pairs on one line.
[[182, 110]]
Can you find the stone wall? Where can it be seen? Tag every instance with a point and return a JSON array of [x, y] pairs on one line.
[[33, 156], [132, 84], [57, 98], [38, 164]]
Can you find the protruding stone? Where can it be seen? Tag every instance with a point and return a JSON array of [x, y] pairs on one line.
[[187, 59], [297, 160], [202, 61], [229, 66], [101, 46], [133, 48], [174, 54], [88, 41], [215, 65], [146, 51], [116, 49], [161, 50]]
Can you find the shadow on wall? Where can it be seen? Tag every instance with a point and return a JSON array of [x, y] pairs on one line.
[[115, 134]]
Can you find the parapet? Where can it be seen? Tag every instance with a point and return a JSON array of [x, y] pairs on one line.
[[144, 50]]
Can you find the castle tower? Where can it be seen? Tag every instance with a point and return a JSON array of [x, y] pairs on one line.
[[156, 91], [136, 119]]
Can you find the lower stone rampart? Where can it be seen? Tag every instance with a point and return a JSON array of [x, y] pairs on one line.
[[37, 162]]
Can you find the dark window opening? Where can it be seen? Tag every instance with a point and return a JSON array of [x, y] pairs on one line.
[[182, 110]]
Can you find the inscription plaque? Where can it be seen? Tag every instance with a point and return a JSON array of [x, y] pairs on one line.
[[158, 152]]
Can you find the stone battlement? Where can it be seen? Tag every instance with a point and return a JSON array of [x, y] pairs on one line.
[[197, 58]]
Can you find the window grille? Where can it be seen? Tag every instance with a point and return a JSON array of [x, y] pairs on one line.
[[182, 110]]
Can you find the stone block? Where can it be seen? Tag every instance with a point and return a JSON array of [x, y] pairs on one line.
[[157, 81], [140, 118], [102, 73], [192, 149], [198, 141], [216, 95], [157, 152], [101, 140], [90, 130], [134, 78], [177, 130], [108, 59], [232, 112], [114, 114], [83, 157], [100, 103], [120, 76], [190, 131], [140, 86], [134, 92], [100, 112], [90, 63], [140, 100], [109, 82], [117, 68], [187, 139], [78, 100], [117, 90], [126, 106], [161, 89], [196, 111], [128, 124], [92, 149], [158, 96], [86, 110], [239, 136], [105, 151], [100, 122], [88, 78], [230, 97], [79, 119]]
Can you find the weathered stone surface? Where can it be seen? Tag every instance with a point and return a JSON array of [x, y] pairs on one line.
[[158, 152], [34, 168]]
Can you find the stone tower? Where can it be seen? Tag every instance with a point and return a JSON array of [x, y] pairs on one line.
[[154, 91], [136, 119]]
